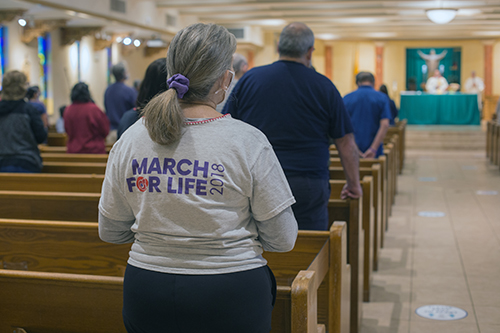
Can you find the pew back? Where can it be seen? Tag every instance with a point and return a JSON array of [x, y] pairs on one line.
[[57, 302], [51, 182], [58, 206]]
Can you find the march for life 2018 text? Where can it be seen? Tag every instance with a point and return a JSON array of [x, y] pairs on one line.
[[185, 176]]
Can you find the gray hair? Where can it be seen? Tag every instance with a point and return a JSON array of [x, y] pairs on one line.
[[119, 72], [295, 40], [239, 61], [363, 77], [202, 53]]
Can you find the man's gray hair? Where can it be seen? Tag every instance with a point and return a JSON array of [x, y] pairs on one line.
[[364, 77], [239, 61], [295, 40], [119, 72]]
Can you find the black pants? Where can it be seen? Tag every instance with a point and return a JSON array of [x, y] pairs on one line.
[[311, 206], [239, 302]]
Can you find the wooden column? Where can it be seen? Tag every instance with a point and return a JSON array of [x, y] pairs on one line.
[[328, 62], [379, 65], [488, 68], [250, 59]]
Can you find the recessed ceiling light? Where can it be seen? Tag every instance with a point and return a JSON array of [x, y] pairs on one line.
[[469, 12], [273, 22], [381, 34], [359, 20], [127, 41], [22, 22], [327, 36]]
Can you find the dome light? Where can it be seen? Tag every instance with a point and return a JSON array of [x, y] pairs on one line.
[[137, 43], [22, 22], [441, 15]]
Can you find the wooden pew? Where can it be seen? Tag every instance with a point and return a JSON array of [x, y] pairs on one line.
[[60, 149], [496, 144], [389, 152], [327, 293], [368, 162], [51, 182], [57, 139], [60, 247], [58, 302], [351, 211], [367, 218], [400, 130], [58, 206], [337, 173], [78, 158], [489, 138], [74, 167], [69, 247]]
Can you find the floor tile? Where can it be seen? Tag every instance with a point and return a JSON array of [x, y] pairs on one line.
[[440, 290], [436, 326], [485, 291], [488, 315], [489, 328], [373, 326]]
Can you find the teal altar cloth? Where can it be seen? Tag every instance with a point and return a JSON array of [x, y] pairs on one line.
[[446, 109]]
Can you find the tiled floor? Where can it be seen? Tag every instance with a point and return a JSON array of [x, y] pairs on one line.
[[452, 260]]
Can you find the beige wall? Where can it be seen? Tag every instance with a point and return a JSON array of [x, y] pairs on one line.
[[345, 64], [269, 52], [23, 57]]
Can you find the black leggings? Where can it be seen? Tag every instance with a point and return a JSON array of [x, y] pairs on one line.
[[172, 303]]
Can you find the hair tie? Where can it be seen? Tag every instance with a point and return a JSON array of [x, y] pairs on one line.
[[180, 83]]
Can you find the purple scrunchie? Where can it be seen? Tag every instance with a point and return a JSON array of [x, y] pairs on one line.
[[180, 83]]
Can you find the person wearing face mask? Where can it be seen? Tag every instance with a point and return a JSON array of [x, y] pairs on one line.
[[299, 110], [199, 213], [240, 66]]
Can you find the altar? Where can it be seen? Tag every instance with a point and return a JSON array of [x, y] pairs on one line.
[[445, 109]]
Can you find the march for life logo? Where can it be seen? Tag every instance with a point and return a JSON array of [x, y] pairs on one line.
[[185, 176]]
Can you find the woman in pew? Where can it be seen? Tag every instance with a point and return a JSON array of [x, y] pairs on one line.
[[86, 125], [21, 128], [155, 82], [199, 213]]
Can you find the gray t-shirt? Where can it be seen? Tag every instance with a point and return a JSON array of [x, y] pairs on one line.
[[198, 206]]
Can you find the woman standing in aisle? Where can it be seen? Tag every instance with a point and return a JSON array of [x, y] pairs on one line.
[[199, 213]]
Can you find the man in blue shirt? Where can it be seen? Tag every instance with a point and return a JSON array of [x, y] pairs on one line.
[[118, 99], [299, 110], [370, 113]]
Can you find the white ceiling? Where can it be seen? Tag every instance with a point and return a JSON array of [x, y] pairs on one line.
[[354, 19], [341, 20]]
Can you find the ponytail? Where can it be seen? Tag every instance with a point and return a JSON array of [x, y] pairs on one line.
[[164, 118], [197, 57]]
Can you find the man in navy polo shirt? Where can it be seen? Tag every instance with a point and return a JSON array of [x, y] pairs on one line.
[[370, 113], [118, 99], [299, 110]]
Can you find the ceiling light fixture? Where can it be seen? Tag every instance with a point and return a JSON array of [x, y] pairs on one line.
[[441, 15], [127, 41], [137, 43], [22, 22]]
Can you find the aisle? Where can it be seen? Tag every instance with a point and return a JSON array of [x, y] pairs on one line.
[[450, 260]]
